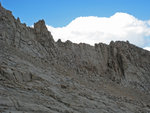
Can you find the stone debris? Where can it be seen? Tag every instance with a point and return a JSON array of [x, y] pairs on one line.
[[39, 75]]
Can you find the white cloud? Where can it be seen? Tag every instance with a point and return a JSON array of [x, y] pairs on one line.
[[120, 26], [147, 48]]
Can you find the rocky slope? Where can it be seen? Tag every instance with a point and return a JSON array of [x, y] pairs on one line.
[[39, 75]]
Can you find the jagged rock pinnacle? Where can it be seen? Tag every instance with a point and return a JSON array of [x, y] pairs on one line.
[[40, 26], [43, 36]]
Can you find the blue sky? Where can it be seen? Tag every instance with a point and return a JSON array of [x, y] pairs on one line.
[[61, 12], [82, 20]]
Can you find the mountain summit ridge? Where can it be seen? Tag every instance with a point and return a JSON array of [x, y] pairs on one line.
[[38, 74]]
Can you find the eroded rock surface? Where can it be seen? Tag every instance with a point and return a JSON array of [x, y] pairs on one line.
[[39, 75]]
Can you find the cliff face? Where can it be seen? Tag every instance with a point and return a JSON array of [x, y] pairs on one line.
[[38, 74]]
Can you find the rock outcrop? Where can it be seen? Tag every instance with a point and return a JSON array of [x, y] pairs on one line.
[[39, 75]]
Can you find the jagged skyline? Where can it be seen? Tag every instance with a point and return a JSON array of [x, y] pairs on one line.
[[39, 75], [132, 21]]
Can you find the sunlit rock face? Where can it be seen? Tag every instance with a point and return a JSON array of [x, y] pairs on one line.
[[39, 75]]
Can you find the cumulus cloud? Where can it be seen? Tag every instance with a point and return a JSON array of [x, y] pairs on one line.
[[147, 48], [91, 30]]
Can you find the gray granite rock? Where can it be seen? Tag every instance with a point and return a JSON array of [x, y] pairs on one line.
[[39, 75]]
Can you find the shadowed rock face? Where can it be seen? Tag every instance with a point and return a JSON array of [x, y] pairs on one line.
[[40, 75]]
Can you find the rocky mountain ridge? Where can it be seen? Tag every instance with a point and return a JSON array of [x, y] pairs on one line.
[[38, 74]]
